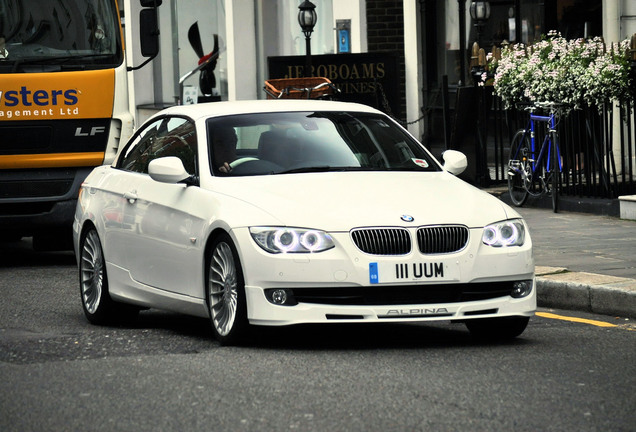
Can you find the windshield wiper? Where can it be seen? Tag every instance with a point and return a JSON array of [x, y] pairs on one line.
[[85, 57], [327, 168], [307, 169], [53, 60], [66, 58]]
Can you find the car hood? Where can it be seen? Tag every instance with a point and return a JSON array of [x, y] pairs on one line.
[[339, 201]]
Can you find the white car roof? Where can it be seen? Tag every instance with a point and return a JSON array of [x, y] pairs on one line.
[[214, 109]]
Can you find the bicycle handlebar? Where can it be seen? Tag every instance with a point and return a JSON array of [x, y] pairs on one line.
[[552, 106], [549, 104]]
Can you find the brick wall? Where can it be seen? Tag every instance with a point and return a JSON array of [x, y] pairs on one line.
[[385, 33]]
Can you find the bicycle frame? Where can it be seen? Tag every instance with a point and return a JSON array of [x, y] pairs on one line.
[[550, 119], [528, 173]]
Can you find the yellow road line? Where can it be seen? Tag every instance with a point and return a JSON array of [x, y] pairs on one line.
[[574, 319]]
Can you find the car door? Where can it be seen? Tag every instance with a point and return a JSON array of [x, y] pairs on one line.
[[161, 247]]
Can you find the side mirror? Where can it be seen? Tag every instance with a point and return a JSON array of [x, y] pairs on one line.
[[149, 32], [168, 169], [454, 162]]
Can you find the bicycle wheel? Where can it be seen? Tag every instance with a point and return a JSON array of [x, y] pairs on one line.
[[554, 164], [519, 167]]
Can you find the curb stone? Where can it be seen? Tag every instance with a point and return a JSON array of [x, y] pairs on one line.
[[588, 292]]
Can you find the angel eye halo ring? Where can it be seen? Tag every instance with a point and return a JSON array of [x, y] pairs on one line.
[[291, 240], [504, 234]]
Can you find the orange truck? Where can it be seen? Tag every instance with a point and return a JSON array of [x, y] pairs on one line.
[[64, 107]]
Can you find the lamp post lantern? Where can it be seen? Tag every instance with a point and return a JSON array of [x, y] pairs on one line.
[[307, 19], [479, 12]]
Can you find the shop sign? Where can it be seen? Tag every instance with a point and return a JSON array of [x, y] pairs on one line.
[[366, 78]]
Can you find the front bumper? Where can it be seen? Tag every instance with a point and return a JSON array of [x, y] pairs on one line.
[[39, 201], [347, 269], [262, 312]]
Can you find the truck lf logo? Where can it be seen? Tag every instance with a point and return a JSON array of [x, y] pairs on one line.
[[94, 131]]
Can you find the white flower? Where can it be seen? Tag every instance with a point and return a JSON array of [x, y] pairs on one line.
[[578, 72]]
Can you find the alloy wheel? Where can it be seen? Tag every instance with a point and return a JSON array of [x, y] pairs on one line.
[[223, 289], [92, 272]]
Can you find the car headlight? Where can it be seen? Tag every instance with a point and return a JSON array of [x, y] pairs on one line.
[[291, 240], [502, 234]]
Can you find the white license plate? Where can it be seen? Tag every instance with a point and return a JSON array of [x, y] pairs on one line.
[[419, 271]]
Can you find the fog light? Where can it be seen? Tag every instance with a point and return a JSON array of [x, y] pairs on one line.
[[521, 289], [280, 297]]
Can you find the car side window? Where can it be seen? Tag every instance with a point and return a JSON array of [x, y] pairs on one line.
[[168, 136]]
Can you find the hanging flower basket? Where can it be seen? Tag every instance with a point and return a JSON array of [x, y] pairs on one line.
[[575, 72]]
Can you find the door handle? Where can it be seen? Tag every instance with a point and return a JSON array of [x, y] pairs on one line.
[[131, 196]]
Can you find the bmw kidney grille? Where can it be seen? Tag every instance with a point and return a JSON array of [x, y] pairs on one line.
[[397, 241]]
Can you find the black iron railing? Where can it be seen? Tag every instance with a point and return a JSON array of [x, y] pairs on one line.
[[598, 146], [598, 161]]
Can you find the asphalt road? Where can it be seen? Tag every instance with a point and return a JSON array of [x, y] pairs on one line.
[[59, 373]]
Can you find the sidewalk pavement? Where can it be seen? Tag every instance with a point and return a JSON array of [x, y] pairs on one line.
[[585, 258], [608, 295]]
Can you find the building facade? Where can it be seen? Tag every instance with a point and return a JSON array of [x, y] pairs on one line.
[[426, 36]]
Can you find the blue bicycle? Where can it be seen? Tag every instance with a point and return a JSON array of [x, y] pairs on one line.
[[534, 170]]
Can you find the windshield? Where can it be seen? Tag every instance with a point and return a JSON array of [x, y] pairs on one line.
[[287, 143], [58, 35]]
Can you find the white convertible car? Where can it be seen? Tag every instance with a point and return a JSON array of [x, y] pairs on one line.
[[283, 212]]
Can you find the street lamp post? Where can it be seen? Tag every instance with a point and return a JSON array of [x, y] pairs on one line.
[[479, 12], [307, 19], [462, 41]]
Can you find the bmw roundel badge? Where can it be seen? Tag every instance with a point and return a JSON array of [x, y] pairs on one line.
[[407, 218]]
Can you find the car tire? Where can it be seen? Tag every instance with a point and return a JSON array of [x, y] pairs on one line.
[[225, 292], [497, 328], [98, 306]]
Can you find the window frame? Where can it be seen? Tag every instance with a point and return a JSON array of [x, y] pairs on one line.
[[190, 139]]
